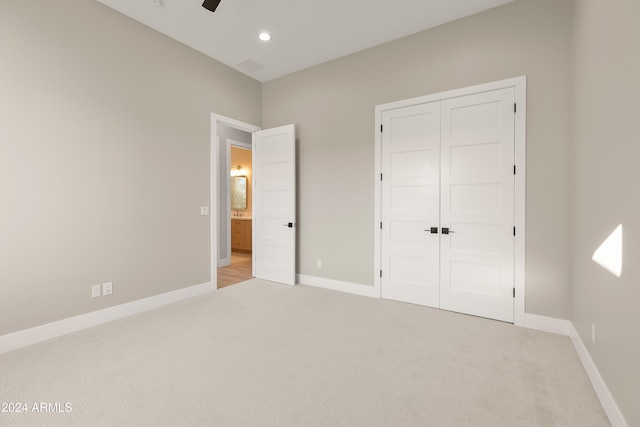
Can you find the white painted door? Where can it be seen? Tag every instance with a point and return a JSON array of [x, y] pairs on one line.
[[410, 204], [274, 180], [477, 204]]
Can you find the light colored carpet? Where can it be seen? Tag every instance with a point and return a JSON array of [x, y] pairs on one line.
[[263, 354]]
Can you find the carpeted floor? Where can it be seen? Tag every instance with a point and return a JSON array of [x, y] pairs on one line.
[[263, 354]]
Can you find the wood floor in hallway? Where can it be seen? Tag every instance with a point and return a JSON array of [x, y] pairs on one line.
[[238, 271]]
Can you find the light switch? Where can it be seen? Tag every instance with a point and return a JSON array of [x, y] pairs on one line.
[[95, 291], [204, 210]]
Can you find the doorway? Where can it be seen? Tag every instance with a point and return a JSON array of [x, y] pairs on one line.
[[236, 267], [272, 228], [229, 267], [449, 200]]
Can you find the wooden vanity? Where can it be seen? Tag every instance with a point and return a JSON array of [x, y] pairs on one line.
[[241, 234]]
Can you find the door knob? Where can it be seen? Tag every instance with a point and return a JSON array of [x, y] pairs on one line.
[[445, 230], [433, 230], [289, 224]]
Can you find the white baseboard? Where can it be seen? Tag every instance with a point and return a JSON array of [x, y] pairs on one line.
[[337, 285], [565, 327], [48, 331], [602, 391], [547, 324]]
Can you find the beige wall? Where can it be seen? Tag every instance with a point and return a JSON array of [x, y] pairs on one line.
[[607, 151], [104, 158], [333, 106]]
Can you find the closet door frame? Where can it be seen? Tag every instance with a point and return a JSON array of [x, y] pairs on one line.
[[519, 85]]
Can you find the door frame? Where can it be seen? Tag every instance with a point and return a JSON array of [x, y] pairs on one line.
[[519, 84], [213, 202]]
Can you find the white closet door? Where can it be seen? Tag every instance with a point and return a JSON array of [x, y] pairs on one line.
[[477, 204], [410, 204]]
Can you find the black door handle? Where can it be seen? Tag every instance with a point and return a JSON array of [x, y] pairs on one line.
[[446, 230], [433, 230]]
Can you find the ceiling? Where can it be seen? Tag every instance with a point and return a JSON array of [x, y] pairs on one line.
[[304, 32]]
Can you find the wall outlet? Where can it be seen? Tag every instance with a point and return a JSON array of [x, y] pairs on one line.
[[593, 333], [204, 210], [107, 288], [95, 291], [319, 263]]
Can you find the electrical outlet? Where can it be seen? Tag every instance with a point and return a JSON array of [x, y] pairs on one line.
[[204, 210], [319, 263], [593, 333], [95, 291], [107, 288]]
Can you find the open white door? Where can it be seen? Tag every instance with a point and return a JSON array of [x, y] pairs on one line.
[[274, 216]]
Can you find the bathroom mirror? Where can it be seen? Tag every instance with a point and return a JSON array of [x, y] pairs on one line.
[[238, 192]]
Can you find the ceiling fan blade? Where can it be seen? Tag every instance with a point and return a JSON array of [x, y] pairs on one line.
[[211, 4]]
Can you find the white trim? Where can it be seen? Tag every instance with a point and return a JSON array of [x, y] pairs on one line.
[[546, 324], [240, 144], [566, 327], [56, 329], [213, 200], [519, 246], [377, 204], [456, 93], [253, 205], [337, 285], [214, 150], [520, 91], [602, 391], [226, 218]]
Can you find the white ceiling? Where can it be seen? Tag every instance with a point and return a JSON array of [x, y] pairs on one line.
[[304, 32]]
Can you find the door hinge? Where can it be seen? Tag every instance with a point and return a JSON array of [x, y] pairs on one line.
[[380, 177], [514, 169], [514, 292], [515, 107], [380, 128], [380, 273], [380, 225], [514, 231]]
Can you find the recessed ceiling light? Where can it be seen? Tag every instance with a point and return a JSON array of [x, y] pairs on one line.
[[264, 36]]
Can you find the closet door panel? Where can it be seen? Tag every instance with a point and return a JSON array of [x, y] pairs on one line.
[[477, 204], [410, 204]]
